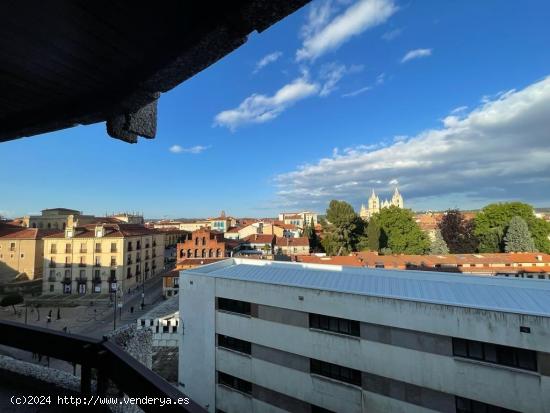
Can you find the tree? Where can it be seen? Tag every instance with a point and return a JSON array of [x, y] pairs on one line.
[[518, 238], [342, 227], [373, 235], [457, 232], [439, 246], [314, 243], [11, 299], [493, 220], [400, 232]]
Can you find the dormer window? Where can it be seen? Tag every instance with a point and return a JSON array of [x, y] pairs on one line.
[[99, 232]]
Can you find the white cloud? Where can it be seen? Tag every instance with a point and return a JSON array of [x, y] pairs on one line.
[[459, 109], [193, 149], [415, 54], [381, 78], [331, 74], [356, 92], [261, 108], [498, 151], [268, 59], [322, 35], [392, 34]]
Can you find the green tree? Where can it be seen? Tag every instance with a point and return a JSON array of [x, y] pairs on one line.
[[342, 227], [518, 238], [373, 235], [314, 242], [11, 299], [439, 246], [400, 232], [457, 232], [493, 220]]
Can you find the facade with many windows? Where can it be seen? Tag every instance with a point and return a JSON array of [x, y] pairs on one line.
[[100, 258], [276, 336]]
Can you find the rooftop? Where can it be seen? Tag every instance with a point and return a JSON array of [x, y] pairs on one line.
[[520, 296]]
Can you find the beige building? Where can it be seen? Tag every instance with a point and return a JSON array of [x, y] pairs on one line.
[[55, 218], [21, 253], [374, 205], [299, 219], [99, 258], [292, 246]]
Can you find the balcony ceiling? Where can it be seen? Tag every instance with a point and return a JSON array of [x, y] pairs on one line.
[[71, 62]]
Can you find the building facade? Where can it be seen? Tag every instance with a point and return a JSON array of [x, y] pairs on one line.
[[299, 219], [292, 246], [202, 243], [101, 258], [374, 204], [264, 336], [54, 218], [21, 252]]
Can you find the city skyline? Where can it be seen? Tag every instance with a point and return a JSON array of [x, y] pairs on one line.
[[307, 111]]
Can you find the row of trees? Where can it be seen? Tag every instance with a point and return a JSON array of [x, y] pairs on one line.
[[505, 227]]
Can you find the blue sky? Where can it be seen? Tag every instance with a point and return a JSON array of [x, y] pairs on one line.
[[447, 99]]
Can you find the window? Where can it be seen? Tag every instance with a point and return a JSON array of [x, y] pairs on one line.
[[337, 325], [234, 382], [97, 261], [234, 306], [471, 406], [68, 248], [51, 288], [67, 273], [82, 274], [113, 246], [22, 255], [113, 261], [495, 353], [234, 344], [335, 371], [53, 248], [98, 247], [83, 248]]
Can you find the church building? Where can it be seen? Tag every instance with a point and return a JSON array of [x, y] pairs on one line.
[[374, 204]]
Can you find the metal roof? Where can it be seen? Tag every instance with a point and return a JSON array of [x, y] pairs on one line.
[[521, 296]]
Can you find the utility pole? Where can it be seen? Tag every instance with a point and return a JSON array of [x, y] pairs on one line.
[[114, 312]]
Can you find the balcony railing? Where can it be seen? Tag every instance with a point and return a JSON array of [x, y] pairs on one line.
[[110, 361], [82, 264]]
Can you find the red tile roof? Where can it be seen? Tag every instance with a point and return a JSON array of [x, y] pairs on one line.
[[8, 231], [292, 242], [259, 239]]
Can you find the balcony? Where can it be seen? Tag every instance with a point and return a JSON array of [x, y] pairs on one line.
[[82, 264], [111, 363]]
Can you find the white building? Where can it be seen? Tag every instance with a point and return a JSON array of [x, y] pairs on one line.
[[163, 321], [264, 336]]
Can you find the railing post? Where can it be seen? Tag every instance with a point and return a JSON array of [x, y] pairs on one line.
[[86, 374], [102, 377]]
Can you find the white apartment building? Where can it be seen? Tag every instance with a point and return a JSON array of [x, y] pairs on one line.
[[267, 336]]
